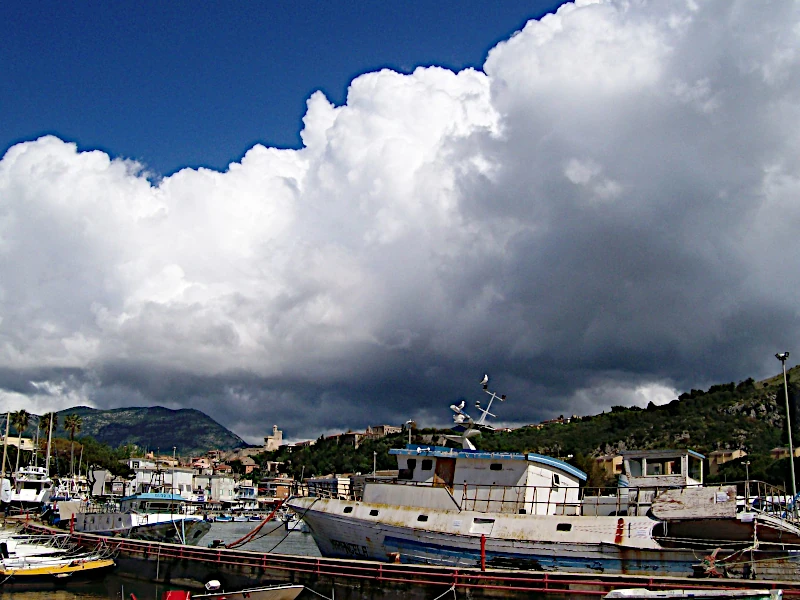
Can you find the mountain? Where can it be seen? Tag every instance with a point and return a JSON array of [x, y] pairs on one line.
[[153, 428]]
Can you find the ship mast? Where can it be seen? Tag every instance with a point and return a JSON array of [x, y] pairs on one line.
[[466, 425]]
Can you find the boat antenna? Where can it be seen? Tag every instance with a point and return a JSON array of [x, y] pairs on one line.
[[466, 425], [493, 397]]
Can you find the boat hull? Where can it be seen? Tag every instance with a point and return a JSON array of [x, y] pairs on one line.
[[278, 592], [124, 525], [587, 546], [56, 571]]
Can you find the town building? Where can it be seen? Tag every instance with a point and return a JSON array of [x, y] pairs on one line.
[[274, 441], [611, 464], [382, 430], [783, 452], [720, 457]]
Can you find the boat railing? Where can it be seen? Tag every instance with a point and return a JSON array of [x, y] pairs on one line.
[[754, 496], [765, 498]]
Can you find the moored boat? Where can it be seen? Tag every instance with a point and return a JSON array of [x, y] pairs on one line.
[[704, 594], [32, 488], [467, 508], [152, 516], [49, 568], [270, 592]]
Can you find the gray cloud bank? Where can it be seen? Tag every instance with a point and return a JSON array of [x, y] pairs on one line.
[[607, 214]]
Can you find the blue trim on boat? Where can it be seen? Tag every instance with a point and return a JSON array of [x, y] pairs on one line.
[[412, 551], [558, 464], [156, 496], [444, 452]]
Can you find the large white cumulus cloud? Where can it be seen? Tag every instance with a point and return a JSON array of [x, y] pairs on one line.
[[608, 211]]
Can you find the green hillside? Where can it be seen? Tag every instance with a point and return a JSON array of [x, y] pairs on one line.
[[749, 415]]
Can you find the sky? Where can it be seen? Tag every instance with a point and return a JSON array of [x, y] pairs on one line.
[[332, 215]]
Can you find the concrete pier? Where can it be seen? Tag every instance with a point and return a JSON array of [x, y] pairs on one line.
[[192, 566]]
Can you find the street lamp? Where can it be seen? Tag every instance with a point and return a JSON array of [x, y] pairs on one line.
[[747, 486], [408, 424], [782, 356]]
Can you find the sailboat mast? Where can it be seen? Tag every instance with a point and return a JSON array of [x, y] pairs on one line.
[[49, 439], [5, 448]]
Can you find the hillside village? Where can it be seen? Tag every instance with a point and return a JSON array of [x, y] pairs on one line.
[[212, 480]]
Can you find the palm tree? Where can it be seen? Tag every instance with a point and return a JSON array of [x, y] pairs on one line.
[[20, 420], [72, 423]]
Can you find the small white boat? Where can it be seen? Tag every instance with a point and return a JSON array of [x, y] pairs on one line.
[[270, 592], [743, 594]]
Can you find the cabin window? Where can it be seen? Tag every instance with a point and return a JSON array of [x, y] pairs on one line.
[[496, 467], [405, 474], [411, 463], [635, 467], [655, 468], [427, 464], [373, 512], [348, 509], [556, 480], [696, 468], [564, 527], [422, 518]]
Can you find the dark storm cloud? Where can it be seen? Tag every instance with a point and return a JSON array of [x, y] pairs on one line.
[[607, 215]]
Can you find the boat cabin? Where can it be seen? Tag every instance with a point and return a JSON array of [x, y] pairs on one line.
[[153, 502], [482, 481], [662, 468]]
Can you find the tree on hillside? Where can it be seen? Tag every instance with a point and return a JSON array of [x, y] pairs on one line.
[[72, 423], [20, 420]]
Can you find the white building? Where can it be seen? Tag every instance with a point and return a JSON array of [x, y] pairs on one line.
[[274, 441]]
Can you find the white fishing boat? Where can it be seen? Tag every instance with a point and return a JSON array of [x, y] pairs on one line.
[[464, 508], [699, 594], [153, 516], [215, 592]]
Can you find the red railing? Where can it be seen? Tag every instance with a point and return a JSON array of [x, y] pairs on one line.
[[523, 581]]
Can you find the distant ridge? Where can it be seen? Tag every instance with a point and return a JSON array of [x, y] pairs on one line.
[[153, 428]]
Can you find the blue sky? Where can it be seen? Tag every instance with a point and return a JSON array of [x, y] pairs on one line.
[[605, 214], [176, 84]]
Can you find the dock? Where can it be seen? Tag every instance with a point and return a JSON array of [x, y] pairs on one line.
[[347, 579]]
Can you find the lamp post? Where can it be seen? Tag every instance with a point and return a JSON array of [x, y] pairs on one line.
[[782, 356], [408, 424], [747, 486]]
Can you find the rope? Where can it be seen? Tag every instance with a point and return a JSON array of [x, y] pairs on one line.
[[251, 535], [452, 588], [320, 595]]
